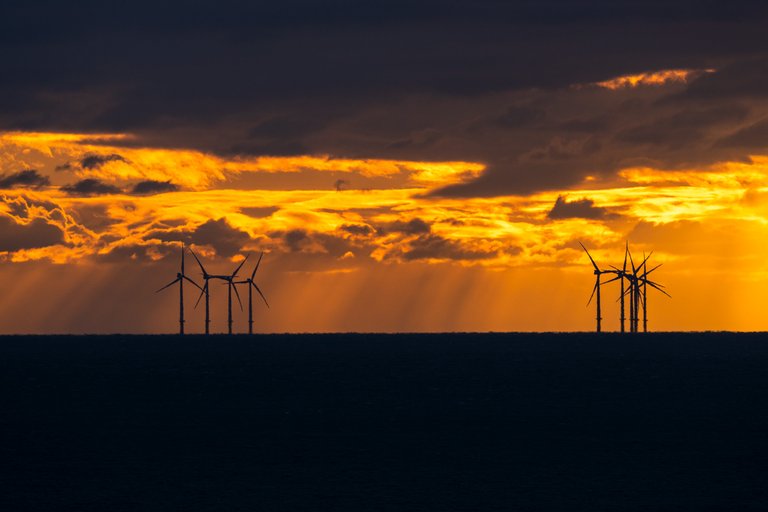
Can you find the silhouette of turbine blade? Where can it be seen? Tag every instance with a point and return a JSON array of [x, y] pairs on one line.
[[654, 268], [611, 280], [594, 289], [169, 284], [203, 291], [239, 266], [253, 274], [198, 262], [654, 285], [626, 251], [237, 294], [191, 281], [590, 257], [644, 260], [262, 295]]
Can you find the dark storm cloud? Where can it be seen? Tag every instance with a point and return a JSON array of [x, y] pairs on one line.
[[91, 187], [580, 208], [154, 187], [37, 233], [682, 128], [29, 178], [422, 79], [753, 136]]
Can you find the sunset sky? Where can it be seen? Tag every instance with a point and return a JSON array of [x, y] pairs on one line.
[[404, 166]]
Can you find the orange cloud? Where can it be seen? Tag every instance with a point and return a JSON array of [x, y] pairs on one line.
[[652, 78]]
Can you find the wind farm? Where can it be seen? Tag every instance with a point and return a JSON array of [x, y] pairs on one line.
[[637, 291]]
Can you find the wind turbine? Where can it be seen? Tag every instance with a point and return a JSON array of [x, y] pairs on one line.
[[596, 289], [638, 291], [180, 277], [231, 286], [251, 286], [646, 282], [204, 291]]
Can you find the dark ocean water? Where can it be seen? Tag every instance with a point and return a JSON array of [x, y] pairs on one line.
[[450, 422]]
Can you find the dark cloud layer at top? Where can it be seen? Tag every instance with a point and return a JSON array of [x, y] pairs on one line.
[[423, 79]]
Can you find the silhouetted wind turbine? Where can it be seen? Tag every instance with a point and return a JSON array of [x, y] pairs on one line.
[[251, 286], [596, 288], [638, 292], [231, 286], [646, 282], [622, 318], [180, 277], [204, 291]]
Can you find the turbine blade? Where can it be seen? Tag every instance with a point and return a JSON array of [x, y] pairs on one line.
[[239, 266], [191, 281], [654, 268], [198, 262], [253, 274], [182, 257], [262, 295], [611, 280], [237, 294], [169, 284], [594, 289], [626, 251], [644, 260], [662, 291], [590, 256], [203, 291]]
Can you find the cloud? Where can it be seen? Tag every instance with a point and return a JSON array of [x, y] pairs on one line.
[[357, 229], [296, 239], [581, 208], [412, 227], [94, 161], [153, 187], [29, 178], [36, 233], [219, 234], [259, 212], [437, 247], [753, 136], [90, 187]]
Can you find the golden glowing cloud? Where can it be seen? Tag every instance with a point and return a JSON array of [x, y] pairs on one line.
[[652, 78]]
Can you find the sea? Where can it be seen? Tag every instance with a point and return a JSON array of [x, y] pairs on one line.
[[385, 422]]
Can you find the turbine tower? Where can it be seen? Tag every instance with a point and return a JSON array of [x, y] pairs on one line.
[[230, 279], [180, 277], [251, 285], [596, 288], [204, 291]]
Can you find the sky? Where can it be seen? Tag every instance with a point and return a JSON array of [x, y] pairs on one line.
[[403, 166]]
